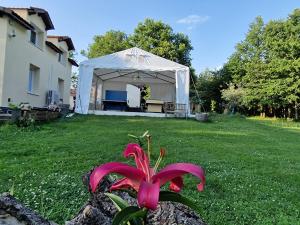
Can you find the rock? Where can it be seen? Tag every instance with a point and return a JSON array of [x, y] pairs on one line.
[[169, 213], [99, 210], [203, 117], [12, 212], [8, 219]]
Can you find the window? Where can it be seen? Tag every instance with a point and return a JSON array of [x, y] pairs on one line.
[[37, 37], [60, 55], [33, 37], [62, 58], [33, 79], [60, 87]]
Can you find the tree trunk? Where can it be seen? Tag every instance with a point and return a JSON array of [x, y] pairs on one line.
[[12, 212], [263, 114], [99, 210], [296, 111]]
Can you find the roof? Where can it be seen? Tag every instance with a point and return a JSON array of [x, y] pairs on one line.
[[134, 58], [56, 49], [11, 14], [40, 12], [44, 15], [67, 39], [53, 47], [73, 62]]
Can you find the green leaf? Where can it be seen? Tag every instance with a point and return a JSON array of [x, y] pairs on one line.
[[144, 135], [118, 201], [129, 213], [12, 189], [121, 204], [133, 136], [175, 197]]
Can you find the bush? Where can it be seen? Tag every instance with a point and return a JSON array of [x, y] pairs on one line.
[[26, 120]]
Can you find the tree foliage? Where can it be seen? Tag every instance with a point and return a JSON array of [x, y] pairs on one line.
[[160, 39], [209, 85], [266, 64], [152, 36], [112, 41], [234, 96]]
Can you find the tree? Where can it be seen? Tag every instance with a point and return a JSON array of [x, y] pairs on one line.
[[72, 54], [74, 76], [266, 65], [74, 80], [160, 39], [283, 45], [150, 35], [249, 54], [209, 85], [112, 41], [234, 96], [245, 65]]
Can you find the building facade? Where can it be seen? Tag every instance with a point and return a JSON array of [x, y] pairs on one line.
[[31, 62]]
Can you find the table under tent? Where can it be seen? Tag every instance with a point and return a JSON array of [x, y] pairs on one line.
[[132, 82]]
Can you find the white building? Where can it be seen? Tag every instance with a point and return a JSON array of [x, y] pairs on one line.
[[32, 63]]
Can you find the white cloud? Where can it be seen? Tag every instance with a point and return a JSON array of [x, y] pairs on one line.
[[193, 20]]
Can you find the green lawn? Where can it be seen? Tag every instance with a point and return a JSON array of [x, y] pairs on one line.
[[252, 165]]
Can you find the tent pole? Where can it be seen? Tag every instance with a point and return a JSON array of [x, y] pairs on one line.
[[96, 92], [165, 76], [120, 75], [102, 94], [99, 77], [157, 77], [107, 73]]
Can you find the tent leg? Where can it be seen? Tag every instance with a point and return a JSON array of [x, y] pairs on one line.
[[96, 92]]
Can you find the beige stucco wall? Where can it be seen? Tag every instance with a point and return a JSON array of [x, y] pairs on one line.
[[62, 44], [21, 12], [3, 37], [19, 54]]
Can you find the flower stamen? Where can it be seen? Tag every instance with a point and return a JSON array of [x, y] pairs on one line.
[[162, 154]]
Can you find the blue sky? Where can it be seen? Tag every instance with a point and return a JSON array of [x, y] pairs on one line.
[[214, 27]]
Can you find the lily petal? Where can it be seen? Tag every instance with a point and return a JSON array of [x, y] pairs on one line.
[[176, 184], [178, 169], [124, 183], [148, 195], [141, 159], [135, 175]]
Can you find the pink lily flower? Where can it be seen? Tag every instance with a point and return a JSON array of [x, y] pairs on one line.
[[143, 178]]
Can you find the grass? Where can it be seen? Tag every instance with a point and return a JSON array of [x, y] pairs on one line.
[[252, 165]]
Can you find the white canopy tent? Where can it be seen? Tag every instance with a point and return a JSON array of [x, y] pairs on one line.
[[127, 66]]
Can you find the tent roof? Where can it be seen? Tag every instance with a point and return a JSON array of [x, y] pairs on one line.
[[133, 58]]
